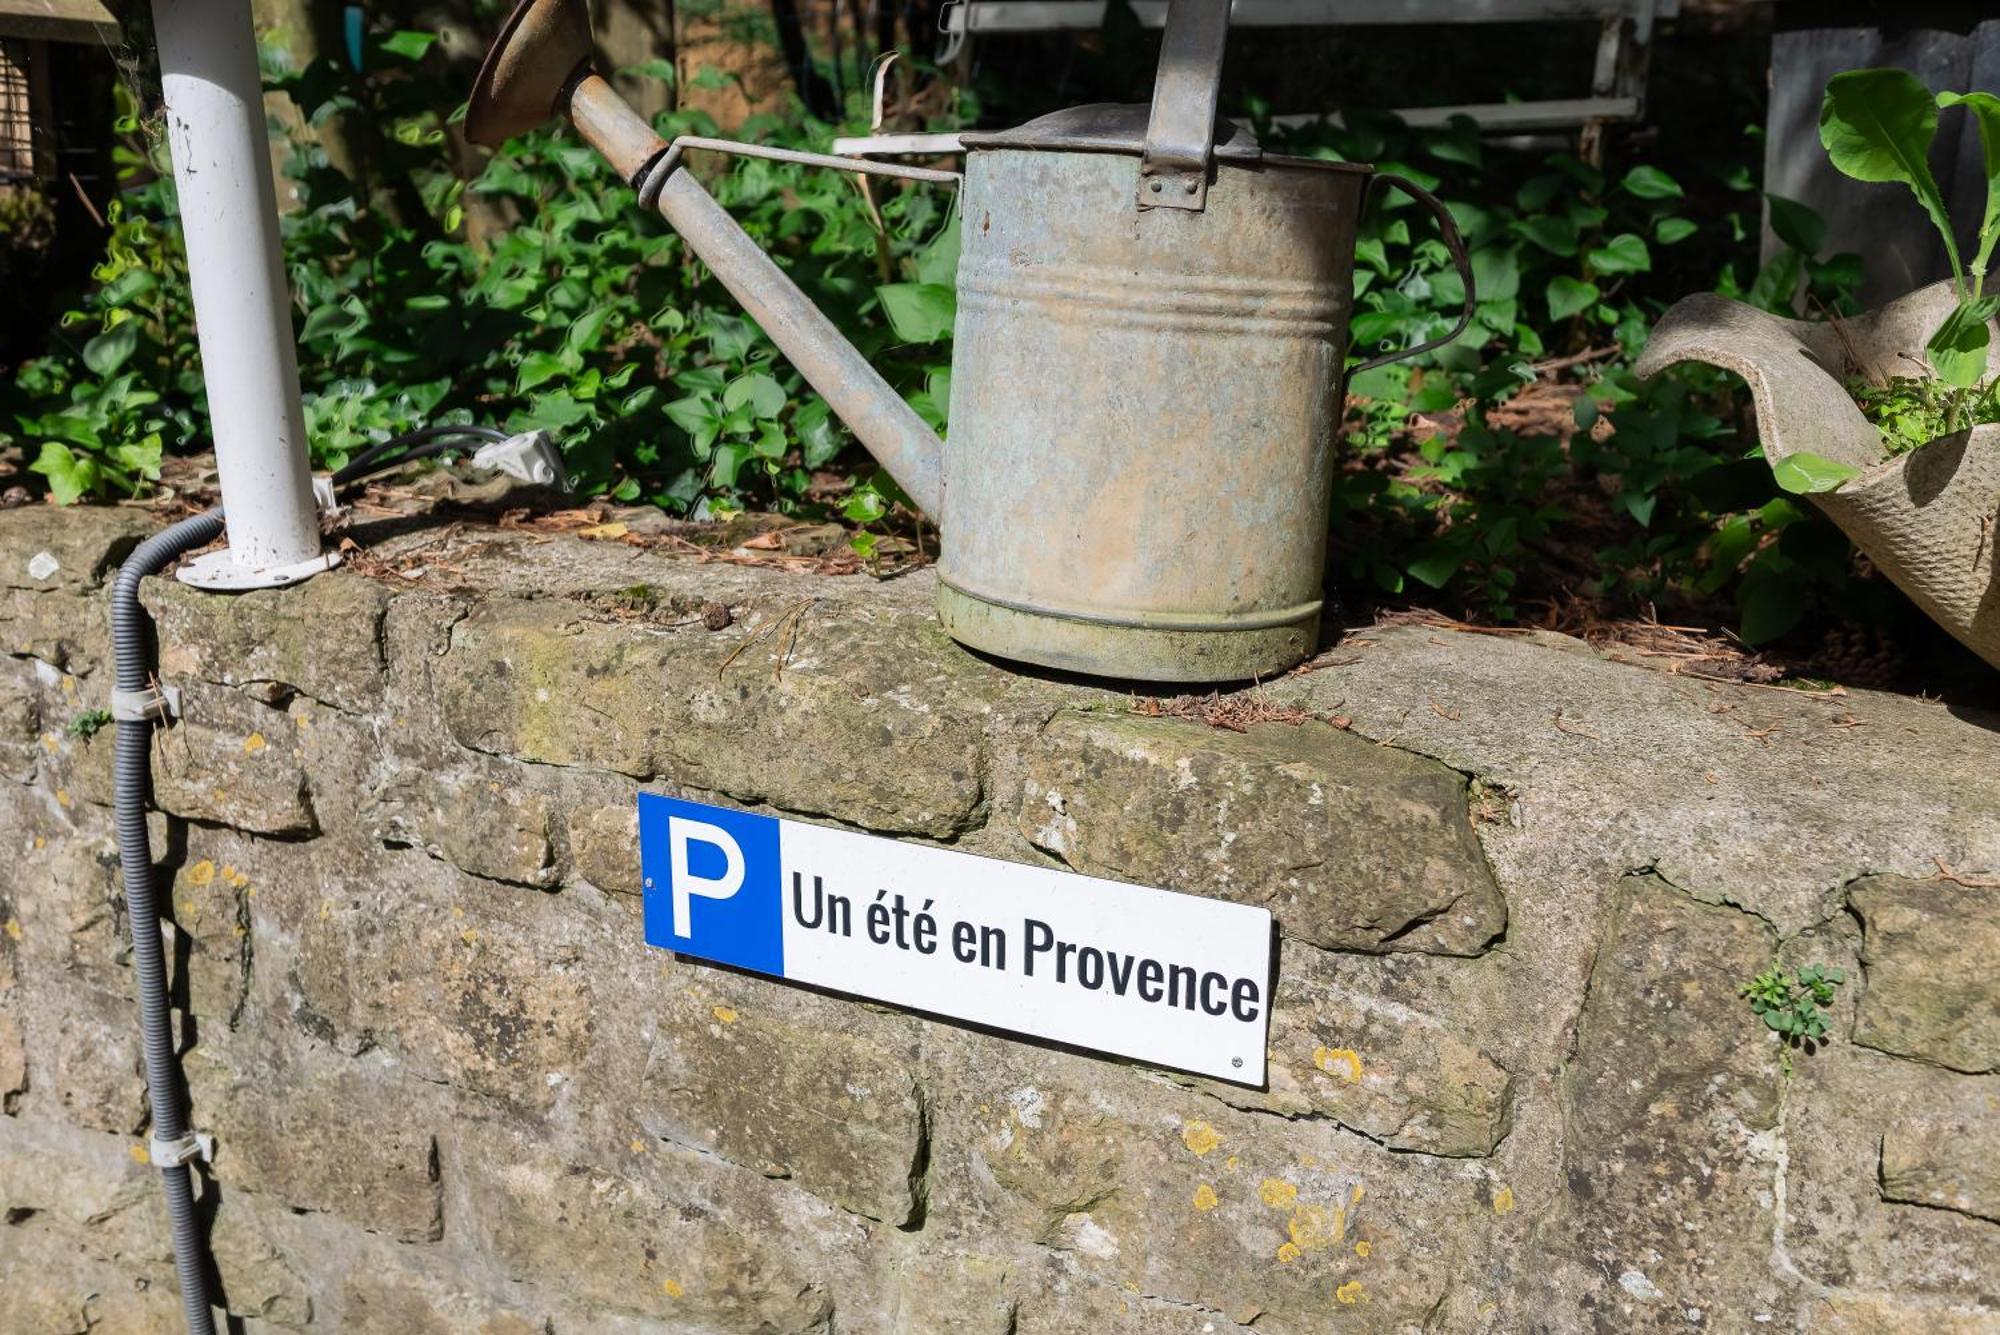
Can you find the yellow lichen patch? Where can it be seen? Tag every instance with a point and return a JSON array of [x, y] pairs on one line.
[[253, 743], [1314, 1227], [1351, 1292], [62, 797], [1343, 1062], [638, 1145], [1204, 1197], [1363, 1247], [1229, 1164], [236, 878], [40, 843], [139, 1154], [470, 936], [671, 1288], [1355, 1199], [201, 873], [69, 685], [724, 1014], [1288, 1252], [13, 929], [50, 744], [1278, 1193], [1200, 1138], [1503, 1200]]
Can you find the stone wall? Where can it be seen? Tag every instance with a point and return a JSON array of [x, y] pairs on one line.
[[1513, 1086]]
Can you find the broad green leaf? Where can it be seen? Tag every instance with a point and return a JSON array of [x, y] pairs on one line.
[[537, 368], [112, 348], [693, 414], [1496, 273], [1797, 225], [919, 312], [1877, 125], [1553, 234], [1804, 473], [820, 437], [1672, 230], [1624, 253], [659, 68], [1958, 349], [587, 330], [1437, 568], [937, 262], [765, 396], [1569, 295], [1651, 183], [1768, 608], [1985, 109], [409, 45], [71, 476]]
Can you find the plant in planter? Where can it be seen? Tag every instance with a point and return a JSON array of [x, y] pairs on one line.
[[1890, 420]]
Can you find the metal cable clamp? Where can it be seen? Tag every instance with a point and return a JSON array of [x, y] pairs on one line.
[[153, 704], [181, 1150]]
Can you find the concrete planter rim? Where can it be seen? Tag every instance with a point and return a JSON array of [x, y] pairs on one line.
[[1927, 518]]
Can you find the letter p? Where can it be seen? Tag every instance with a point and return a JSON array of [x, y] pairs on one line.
[[680, 833]]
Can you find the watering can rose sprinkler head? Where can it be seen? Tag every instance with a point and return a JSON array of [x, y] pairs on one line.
[[539, 68]]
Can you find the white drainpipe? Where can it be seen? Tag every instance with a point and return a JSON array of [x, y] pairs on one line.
[[229, 217]]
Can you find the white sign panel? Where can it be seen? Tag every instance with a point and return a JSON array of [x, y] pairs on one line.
[[1171, 979]]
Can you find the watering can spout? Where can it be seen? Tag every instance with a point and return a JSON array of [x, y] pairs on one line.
[[539, 68]]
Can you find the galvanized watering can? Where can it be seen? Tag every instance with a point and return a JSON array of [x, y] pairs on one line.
[[1147, 364]]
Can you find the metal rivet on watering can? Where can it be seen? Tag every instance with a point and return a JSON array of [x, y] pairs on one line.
[[1146, 382]]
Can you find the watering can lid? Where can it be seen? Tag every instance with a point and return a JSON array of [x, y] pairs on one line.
[[1105, 127], [1112, 127]]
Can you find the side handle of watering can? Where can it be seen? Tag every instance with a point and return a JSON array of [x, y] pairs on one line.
[[1453, 243]]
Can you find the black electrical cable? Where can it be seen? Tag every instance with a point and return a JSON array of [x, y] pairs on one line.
[[412, 445]]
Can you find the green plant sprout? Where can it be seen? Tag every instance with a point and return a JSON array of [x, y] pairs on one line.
[[1794, 1005], [88, 723], [1877, 125]]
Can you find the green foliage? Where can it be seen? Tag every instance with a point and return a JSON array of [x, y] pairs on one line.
[[1877, 125], [538, 294], [88, 723], [1910, 411], [1794, 1005]]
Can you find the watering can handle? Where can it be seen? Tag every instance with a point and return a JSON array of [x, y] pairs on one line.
[[1180, 132], [1454, 243]]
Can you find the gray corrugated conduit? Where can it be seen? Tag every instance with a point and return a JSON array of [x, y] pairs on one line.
[[136, 705]]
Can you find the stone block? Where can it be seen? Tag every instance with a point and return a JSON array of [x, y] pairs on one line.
[[260, 1280], [1672, 1083], [69, 631], [824, 1096], [537, 681], [209, 907], [323, 1134], [20, 722], [85, 1057], [376, 1303], [322, 638], [13, 1064], [1397, 1077], [1280, 1225], [232, 761], [47, 547], [618, 1245], [1946, 1159], [483, 821], [944, 1293], [1929, 989], [1351, 846], [604, 841]]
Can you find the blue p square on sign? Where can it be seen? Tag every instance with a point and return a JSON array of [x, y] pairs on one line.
[[1174, 979]]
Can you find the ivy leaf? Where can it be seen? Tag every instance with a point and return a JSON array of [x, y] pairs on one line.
[[1797, 225], [409, 45], [1568, 295], [1672, 230], [1556, 235], [1437, 568], [764, 395], [71, 476], [919, 312], [112, 348], [1624, 253], [1651, 183], [820, 437], [538, 368], [1804, 473], [1958, 348]]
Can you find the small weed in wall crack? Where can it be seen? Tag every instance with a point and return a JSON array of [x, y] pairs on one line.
[[88, 724], [1794, 1005]]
